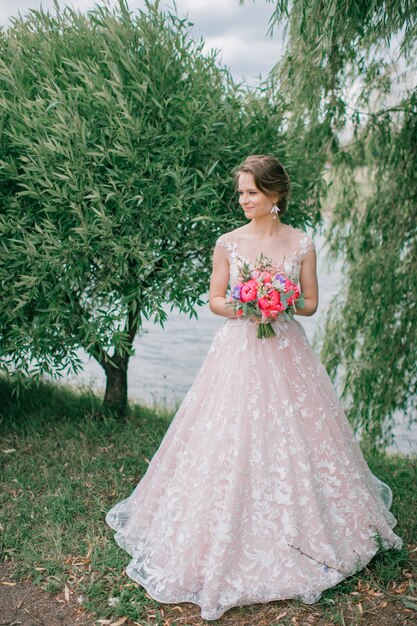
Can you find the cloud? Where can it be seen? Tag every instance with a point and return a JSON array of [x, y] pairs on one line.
[[240, 32], [245, 60], [215, 18]]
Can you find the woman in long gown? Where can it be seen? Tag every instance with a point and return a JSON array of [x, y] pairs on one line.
[[259, 490]]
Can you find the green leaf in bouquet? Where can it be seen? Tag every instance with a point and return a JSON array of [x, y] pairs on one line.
[[300, 301], [264, 261], [285, 296], [245, 272]]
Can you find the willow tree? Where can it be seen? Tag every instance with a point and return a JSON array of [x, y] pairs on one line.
[[349, 71], [118, 140]]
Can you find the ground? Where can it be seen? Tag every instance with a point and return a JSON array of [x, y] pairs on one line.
[[23, 603], [64, 463]]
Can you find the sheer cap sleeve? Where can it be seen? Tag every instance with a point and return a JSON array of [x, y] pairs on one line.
[[224, 242], [305, 245], [221, 241]]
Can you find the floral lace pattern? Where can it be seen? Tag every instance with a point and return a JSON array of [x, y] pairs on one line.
[[259, 490], [291, 266]]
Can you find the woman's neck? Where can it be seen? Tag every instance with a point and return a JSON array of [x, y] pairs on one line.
[[266, 227]]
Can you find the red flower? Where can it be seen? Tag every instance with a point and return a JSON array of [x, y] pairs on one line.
[[271, 304], [249, 291], [266, 276]]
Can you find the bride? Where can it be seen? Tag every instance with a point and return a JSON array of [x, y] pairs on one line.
[[259, 490]]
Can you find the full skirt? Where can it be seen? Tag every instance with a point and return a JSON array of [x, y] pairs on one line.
[[259, 490]]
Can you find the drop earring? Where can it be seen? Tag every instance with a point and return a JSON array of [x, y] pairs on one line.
[[275, 209]]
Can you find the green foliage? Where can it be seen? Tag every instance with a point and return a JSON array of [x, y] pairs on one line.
[[118, 138], [112, 127], [348, 71], [371, 331], [332, 43]]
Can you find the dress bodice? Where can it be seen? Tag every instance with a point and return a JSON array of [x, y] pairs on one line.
[[289, 265]]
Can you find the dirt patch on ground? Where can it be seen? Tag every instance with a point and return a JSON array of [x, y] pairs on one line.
[[24, 604]]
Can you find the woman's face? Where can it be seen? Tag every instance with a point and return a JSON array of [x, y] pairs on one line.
[[254, 202]]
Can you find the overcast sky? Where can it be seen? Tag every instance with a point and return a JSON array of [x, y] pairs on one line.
[[239, 32]]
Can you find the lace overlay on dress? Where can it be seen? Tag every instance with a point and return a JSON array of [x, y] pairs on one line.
[[259, 490], [290, 266]]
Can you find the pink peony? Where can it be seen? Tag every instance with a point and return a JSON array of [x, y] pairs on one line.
[[266, 276], [271, 304], [249, 291], [263, 305]]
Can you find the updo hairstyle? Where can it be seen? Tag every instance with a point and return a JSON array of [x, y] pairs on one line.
[[269, 175]]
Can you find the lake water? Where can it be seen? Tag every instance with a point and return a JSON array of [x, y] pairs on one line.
[[167, 359]]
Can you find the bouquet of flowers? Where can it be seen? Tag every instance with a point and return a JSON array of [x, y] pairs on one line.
[[263, 293]]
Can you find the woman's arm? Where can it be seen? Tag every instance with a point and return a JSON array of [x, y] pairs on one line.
[[218, 284], [309, 284]]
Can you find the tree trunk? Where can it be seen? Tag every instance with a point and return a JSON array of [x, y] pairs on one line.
[[116, 385], [115, 367]]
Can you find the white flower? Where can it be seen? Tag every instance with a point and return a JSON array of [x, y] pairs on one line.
[[113, 602], [80, 599]]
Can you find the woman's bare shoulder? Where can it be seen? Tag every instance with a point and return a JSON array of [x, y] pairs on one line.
[[232, 234], [238, 231], [299, 234], [295, 231]]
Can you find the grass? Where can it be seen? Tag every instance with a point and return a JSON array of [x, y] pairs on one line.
[[65, 463]]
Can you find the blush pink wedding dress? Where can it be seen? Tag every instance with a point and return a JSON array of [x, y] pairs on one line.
[[259, 490]]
